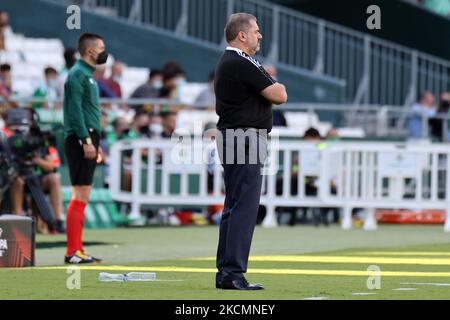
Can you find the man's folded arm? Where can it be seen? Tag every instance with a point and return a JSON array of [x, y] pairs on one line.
[[275, 93]]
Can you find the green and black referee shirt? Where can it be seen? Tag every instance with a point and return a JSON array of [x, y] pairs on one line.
[[81, 101]]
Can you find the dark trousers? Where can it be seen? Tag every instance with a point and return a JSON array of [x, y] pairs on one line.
[[243, 184]]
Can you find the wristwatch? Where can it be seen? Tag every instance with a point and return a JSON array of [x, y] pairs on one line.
[[86, 140]]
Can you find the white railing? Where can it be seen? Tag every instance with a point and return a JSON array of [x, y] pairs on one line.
[[365, 175]]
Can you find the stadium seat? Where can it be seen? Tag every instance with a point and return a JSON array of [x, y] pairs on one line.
[[190, 91], [15, 43], [11, 57], [194, 119]]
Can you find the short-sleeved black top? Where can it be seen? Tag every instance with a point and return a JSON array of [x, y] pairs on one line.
[[239, 80]]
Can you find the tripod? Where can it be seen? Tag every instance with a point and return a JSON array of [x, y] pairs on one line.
[[38, 197]]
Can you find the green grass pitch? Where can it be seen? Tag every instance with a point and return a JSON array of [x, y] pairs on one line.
[[293, 263]]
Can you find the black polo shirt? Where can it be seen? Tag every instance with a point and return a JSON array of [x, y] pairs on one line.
[[238, 81]]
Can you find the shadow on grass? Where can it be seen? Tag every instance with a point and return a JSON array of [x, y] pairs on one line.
[[62, 244]]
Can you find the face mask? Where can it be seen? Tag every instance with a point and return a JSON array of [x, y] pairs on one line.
[[156, 128], [157, 84], [102, 57], [52, 83], [144, 129], [445, 105], [181, 82]]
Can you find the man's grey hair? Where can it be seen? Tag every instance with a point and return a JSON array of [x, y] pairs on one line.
[[238, 22]]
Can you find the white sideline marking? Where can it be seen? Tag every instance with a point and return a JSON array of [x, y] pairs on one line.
[[404, 289], [316, 298], [363, 293], [428, 283]]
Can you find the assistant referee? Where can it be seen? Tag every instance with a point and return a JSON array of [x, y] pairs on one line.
[[82, 134], [245, 93]]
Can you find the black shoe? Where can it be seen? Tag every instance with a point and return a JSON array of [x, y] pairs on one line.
[[96, 260], [78, 258], [218, 280], [240, 284]]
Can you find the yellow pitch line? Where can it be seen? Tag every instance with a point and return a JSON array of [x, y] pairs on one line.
[[343, 259], [361, 273], [406, 253]]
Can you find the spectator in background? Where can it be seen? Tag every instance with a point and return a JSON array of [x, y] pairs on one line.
[[173, 80], [104, 90], [140, 126], [156, 127], [121, 130], [5, 80], [332, 135], [207, 96], [172, 66], [310, 188], [49, 89], [113, 82], [149, 90], [319, 214], [169, 123], [423, 108], [437, 124], [70, 57], [5, 29], [140, 129]]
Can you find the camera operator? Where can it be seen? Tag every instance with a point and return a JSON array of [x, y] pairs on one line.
[[36, 161]]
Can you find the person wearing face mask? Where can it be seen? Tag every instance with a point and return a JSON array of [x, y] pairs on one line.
[[49, 89], [169, 124], [173, 81], [82, 127], [140, 126], [113, 82], [150, 89], [104, 89]]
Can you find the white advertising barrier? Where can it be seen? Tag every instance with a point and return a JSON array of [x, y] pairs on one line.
[[367, 175]]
